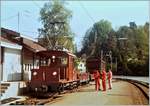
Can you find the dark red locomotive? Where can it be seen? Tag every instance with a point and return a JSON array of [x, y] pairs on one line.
[[94, 63], [56, 71]]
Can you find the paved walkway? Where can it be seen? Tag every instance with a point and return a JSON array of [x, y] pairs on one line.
[[123, 93]]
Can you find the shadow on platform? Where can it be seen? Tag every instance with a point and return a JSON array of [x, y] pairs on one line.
[[87, 90], [119, 94]]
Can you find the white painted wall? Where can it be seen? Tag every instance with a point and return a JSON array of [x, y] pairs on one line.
[[81, 67], [28, 66], [12, 64], [13, 90]]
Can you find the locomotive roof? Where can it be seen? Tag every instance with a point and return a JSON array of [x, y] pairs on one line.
[[49, 53]]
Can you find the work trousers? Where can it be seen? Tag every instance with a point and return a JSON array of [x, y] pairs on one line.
[[104, 85], [110, 83], [97, 84]]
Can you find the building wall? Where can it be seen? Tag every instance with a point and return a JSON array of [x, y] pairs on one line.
[[29, 62], [81, 67], [11, 65]]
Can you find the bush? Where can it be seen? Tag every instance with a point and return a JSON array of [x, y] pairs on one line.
[[139, 68]]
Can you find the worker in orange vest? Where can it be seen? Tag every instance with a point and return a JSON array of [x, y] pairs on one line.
[[104, 79], [110, 79], [97, 80]]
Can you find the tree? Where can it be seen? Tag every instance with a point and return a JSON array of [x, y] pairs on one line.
[[95, 38], [56, 30], [132, 53]]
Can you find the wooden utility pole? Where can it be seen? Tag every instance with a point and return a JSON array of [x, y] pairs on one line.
[[110, 54], [116, 64], [94, 45]]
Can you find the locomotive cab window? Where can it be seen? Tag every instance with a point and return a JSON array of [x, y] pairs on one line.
[[59, 61], [45, 61], [64, 61]]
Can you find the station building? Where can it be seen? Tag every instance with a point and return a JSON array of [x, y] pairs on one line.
[[17, 59]]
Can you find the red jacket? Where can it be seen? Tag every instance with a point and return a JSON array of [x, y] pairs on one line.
[[96, 74]]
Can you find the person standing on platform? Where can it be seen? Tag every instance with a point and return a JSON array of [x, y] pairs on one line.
[[110, 79], [104, 79], [97, 80]]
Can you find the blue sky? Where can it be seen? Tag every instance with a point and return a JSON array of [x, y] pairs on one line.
[[117, 12]]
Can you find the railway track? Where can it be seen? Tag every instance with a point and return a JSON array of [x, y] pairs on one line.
[[53, 97], [40, 99], [142, 86]]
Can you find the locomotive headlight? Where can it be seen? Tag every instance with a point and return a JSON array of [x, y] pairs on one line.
[[54, 73], [34, 73], [53, 57]]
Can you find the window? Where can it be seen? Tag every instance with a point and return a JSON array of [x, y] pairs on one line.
[[52, 61], [45, 61], [63, 60]]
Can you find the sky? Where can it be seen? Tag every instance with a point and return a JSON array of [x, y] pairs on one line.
[[85, 14]]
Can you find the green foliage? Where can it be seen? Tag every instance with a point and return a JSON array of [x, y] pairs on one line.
[[102, 28], [108, 66], [139, 67], [132, 53], [56, 30], [96, 38]]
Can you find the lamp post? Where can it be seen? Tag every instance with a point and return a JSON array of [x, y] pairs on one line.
[[19, 17], [21, 40]]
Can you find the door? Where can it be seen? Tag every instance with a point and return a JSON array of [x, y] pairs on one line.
[[12, 65]]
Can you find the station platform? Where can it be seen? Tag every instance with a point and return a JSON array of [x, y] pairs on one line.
[[122, 93]]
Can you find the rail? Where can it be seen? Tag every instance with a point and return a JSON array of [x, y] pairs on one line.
[[40, 99], [140, 85]]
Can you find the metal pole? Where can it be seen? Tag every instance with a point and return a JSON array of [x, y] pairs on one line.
[[111, 59], [18, 20], [116, 64], [111, 62], [101, 58]]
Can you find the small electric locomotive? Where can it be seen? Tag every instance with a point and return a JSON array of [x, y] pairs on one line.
[[56, 71]]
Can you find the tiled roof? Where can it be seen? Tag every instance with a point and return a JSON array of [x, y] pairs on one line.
[[6, 40], [9, 44], [32, 45], [11, 32], [27, 43]]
